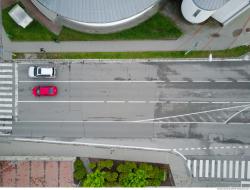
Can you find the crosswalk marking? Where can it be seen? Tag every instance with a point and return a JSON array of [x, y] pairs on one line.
[[218, 168], [230, 169], [236, 169], [194, 168], [248, 170], [207, 168], [6, 98], [201, 168], [242, 170], [225, 169], [212, 169], [6, 76], [189, 164]]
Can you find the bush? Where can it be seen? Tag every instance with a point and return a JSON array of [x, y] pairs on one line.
[[105, 164], [111, 176], [80, 174], [127, 167], [78, 164], [137, 179], [95, 179], [92, 165]]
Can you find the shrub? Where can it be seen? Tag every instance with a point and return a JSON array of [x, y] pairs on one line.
[[105, 164], [95, 179], [127, 167], [148, 168], [80, 174], [111, 176], [135, 179], [78, 164], [92, 165]]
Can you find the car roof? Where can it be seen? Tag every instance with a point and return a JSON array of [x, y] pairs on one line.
[[46, 71]]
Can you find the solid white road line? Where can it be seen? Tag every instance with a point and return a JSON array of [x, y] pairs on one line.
[[5, 93], [242, 170], [218, 168], [194, 167], [225, 169], [83, 81], [201, 168], [236, 169], [6, 76], [212, 168], [230, 169], [6, 105], [5, 111]]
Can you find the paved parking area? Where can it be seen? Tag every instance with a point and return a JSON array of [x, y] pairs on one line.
[[36, 174]]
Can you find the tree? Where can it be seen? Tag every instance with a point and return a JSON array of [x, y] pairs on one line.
[[78, 164], [79, 170], [136, 179], [105, 164], [127, 167], [95, 179], [111, 176], [92, 165]]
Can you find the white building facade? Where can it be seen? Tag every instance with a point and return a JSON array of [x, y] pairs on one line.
[[224, 11]]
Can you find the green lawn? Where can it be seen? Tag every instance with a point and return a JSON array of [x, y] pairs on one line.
[[157, 27], [234, 52], [34, 32]]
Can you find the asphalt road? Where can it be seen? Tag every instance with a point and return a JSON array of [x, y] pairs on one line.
[[137, 100]]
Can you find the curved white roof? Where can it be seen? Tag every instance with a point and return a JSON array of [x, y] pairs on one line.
[[210, 5], [192, 14], [97, 11]]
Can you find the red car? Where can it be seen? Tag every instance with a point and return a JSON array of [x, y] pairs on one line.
[[44, 91]]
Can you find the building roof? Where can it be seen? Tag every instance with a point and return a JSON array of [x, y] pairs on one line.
[[18, 14], [97, 11], [210, 5]]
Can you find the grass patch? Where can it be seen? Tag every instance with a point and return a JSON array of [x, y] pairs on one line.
[[34, 32], [234, 52], [157, 27]]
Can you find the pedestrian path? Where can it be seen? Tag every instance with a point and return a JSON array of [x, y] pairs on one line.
[[218, 169], [6, 98]]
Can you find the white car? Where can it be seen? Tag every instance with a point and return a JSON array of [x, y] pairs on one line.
[[42, 72]]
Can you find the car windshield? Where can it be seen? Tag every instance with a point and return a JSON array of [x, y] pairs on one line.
[[39, 71], [51, 90], [35, 71], [38, 91]]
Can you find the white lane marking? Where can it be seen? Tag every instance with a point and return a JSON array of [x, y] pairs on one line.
[[179, 102], [218, 168], [137, 102], [5, 99], [5, 116], [6, 76], [223, 81], [5, 71], [212, 168], [248, 170], [42, 101], [201, 168], [5, 88], [243, 81], [6, 105], [194, 168], [5, 82], [178, 81], [236, 169], [194, 113], [235, 114], [5, 93], [5, 64], [189, 165], [220, 102], [206, 168], [242, 170], [6, 122], [115, 101], [225, 169], [5, 128], [230, 169], [85, 81], [5, 111], [201, 81]]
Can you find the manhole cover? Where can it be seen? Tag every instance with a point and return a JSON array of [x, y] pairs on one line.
[[237, 32]]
